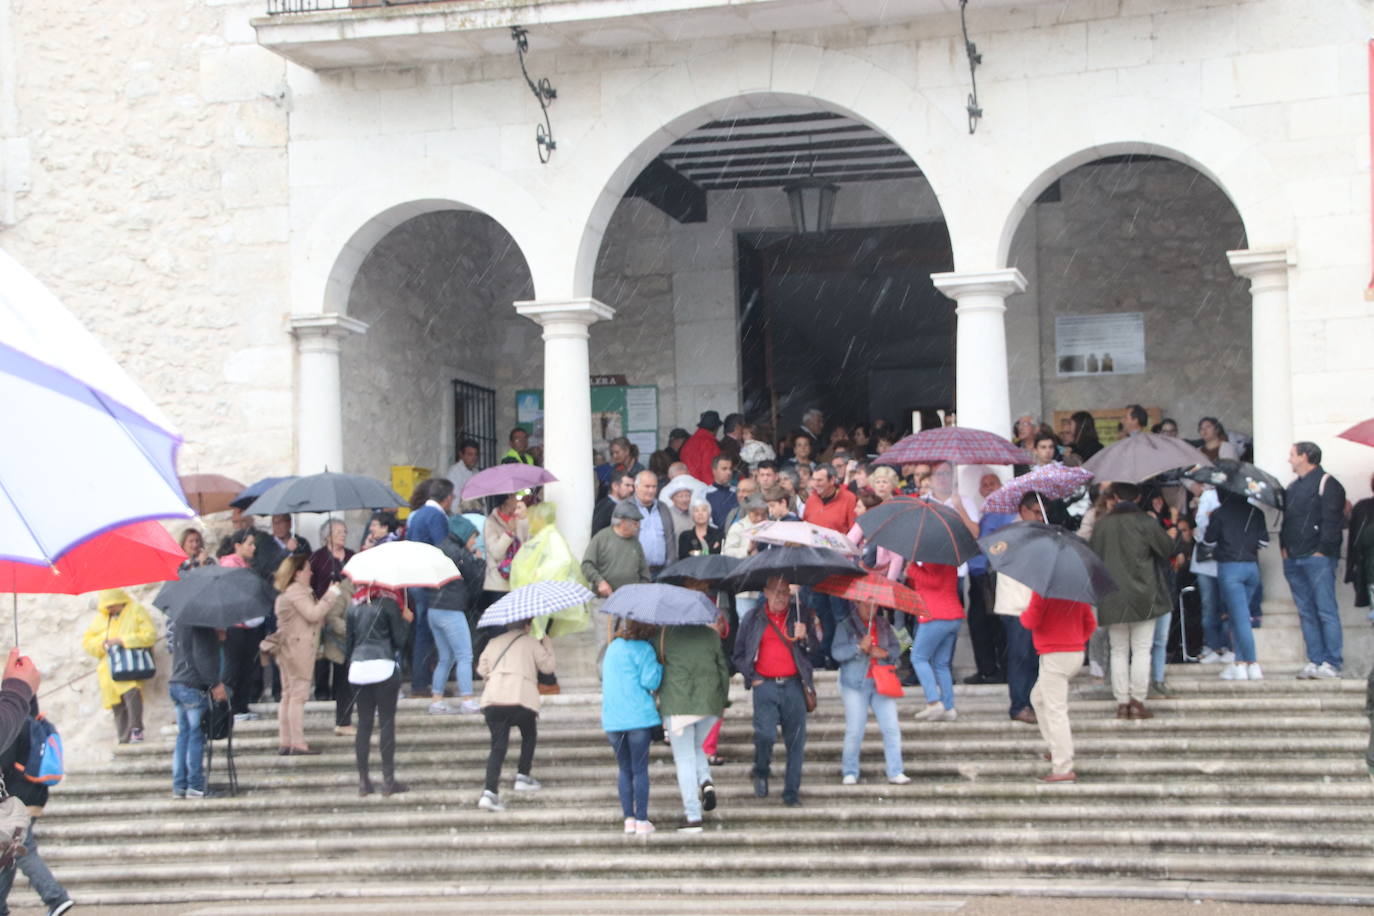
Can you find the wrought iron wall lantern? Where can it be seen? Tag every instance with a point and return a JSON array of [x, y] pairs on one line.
[[974, 59], [544, 93], [812, 201]]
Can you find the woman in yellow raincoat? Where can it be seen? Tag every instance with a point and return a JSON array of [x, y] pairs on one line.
[[120, 621], [547, 557]]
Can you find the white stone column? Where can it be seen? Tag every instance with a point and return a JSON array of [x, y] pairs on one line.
[[1271, 381], [568, 409], [1280, 641], [319, 398], [980, 379]]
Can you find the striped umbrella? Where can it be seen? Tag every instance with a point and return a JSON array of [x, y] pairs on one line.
[[958, 444], [1051, 481], [534, 600]]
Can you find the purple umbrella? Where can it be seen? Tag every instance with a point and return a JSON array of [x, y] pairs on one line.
[[957, 444], [1052, 481], [504, 479]]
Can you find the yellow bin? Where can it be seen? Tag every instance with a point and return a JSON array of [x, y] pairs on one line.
[[404, 479]]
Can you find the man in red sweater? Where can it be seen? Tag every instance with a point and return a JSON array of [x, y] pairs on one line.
[[829, 506], [1059, 629], [698, 451]]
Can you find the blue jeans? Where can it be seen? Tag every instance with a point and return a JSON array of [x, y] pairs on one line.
[[632, 753], [454, 642], [188, 760], [1238, 583], [830, 610], [693, 769], [1023, 665], [423, 644], [1159, 649], [931, 655], [857, 703], [1214, 634], [1312, 580]]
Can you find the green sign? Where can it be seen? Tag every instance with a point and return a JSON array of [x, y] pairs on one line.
[[617, 410]]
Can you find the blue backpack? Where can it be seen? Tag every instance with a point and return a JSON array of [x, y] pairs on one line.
[[44, 761]]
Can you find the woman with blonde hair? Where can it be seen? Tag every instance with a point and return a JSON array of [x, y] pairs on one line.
[[299, 618], [120, 623]]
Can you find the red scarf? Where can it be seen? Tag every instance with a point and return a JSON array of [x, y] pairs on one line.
[[369, 592]]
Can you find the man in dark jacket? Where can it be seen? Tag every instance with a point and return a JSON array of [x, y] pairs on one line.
[[34, 795], [622, 486], [771, 654], [428, 523], [195, 669], [1314, 514]]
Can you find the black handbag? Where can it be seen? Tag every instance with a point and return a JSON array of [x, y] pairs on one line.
[[129, 664]]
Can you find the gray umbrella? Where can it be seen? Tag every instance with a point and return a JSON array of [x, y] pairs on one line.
[[215, 596], [661, 605], [1049, 560], [703, 568], [326, 492], [1142, 456]]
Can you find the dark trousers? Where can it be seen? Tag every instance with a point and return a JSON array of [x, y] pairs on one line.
[[632, 755], [242, 666], [780, 704], [331, 683], [830, 610], [989, 642], [422, 656], [379, 698], [1023, 665], [128, 714], [499, 722]]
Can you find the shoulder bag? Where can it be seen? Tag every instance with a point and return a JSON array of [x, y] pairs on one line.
[[884, 674], [808, 692], [129, 664]]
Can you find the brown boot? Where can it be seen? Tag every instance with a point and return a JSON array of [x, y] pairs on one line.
[[1123, 711], [1138, 711]]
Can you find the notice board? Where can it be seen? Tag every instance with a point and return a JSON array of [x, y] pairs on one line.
[[1100, 344], [617, 410]]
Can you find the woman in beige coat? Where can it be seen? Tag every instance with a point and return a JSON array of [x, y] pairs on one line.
[[507, 526], [511, 664], [299, 618]]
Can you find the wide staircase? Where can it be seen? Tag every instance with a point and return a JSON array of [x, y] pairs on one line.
[[1252, 791]]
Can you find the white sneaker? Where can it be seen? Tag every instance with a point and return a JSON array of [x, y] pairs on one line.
[[643, 828], [849, 780], [900, 779], [490, 801], [1096, 670], [629, 825], [1255, 673], [1234, 673], [440, 708], [1308, 673], [931, 713], [949, 715], [1210, 657], [1227, 657], [469, 706], [525, 783], [1326, 671]]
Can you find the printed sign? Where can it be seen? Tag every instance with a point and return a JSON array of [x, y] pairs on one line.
[[1100, 344]]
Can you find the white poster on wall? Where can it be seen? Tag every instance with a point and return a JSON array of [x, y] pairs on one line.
[[1100, 344]]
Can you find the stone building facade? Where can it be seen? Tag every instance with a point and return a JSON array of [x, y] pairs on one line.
[[295, 230]]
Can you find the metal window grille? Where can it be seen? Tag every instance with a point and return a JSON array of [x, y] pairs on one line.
[[278, 7], [474, 417]]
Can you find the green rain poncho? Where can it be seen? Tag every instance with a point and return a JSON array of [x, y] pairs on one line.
[[546, 557]]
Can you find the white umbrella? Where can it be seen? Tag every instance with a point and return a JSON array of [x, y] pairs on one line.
[[86, 450], [401, 564], [805, 534]]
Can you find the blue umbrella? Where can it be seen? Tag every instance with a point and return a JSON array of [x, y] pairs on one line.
[[661, 605], [254, 490], [535, 600]]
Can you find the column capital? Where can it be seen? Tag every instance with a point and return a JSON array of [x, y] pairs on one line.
[[564, 317], [1263, 266], [326, 326], [1004, 282]]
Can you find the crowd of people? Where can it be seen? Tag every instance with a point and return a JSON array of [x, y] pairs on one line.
[[708, 493]]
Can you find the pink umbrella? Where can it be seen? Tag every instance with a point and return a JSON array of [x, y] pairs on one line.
[[1052, 481], [1362, 433], [804, 534], [504, 479], [957, 444]]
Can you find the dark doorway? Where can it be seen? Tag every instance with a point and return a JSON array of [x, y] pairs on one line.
[[847, 321]]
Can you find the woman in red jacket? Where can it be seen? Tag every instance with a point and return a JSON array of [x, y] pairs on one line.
[[933, 650], [1059, 629]]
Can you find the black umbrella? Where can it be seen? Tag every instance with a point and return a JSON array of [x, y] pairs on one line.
[[1049, 560], [256, 489], [702, 568], [798, 565], [326, 492], [919, 530], [215, 596], [1260, 488]]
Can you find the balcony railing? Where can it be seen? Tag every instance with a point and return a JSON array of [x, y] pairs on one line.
[[281, 7]]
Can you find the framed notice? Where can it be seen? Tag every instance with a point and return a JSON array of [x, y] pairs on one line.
[[617, 410], [1100, 344]]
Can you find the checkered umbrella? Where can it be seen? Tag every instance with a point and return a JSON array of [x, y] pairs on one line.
[[534, 600], [1052, 481], [874, 587], [804, 534], [959, 444]]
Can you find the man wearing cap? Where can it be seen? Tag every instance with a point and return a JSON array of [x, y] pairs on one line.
[[614, 557], [702, 447]]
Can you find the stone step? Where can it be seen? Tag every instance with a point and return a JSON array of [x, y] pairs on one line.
[[648, 858]]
